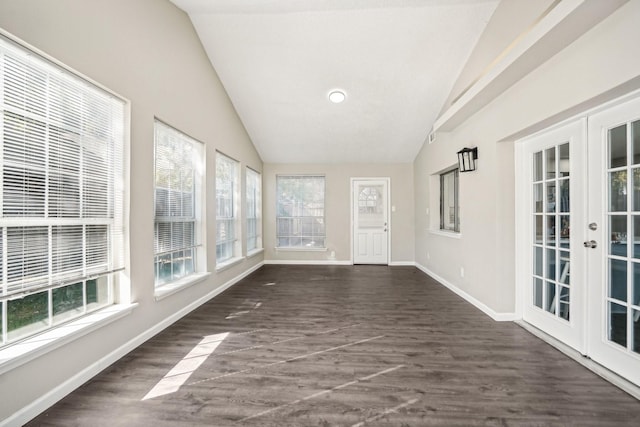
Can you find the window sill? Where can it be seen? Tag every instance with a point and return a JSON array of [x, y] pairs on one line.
[[171, 288], [255, 252], [301, 249], [25, 351], [449, 234], [229, 263]]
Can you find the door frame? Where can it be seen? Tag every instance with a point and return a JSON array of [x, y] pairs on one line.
[[352, 181]]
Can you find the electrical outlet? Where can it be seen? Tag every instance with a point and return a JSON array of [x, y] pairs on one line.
[[461, 271], [428, 255]]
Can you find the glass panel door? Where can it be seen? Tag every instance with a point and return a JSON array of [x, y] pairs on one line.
[[554, 286], [614, 268]]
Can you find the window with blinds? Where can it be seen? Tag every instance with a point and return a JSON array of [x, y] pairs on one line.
[[177, 178], [226, 208], [61, 221], [300, 211], [254, 214]]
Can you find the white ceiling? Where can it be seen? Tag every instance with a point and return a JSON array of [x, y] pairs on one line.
[[396, 60]]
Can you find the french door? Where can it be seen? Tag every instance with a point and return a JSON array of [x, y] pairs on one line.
[[555, 283], [580, 210], [614, 265]]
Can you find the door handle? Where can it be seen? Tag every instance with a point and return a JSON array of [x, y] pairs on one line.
[[590, 244]]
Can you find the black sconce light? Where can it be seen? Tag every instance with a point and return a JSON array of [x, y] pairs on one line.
[[467, 159]]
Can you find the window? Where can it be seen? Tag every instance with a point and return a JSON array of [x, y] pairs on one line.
[[254, 211], [61, 222], [178, 160], [300, 212], [449, 208], [226, 209]]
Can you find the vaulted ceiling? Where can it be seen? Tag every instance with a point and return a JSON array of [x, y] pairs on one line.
[[396, 60]]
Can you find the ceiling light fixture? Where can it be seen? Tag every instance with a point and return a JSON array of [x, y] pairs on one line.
[[337, 96]]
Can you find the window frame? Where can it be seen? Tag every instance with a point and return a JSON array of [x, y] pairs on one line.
[[253, 236], [456, 201], [195, 248], [82, 281], [299, 222], [228, 250]]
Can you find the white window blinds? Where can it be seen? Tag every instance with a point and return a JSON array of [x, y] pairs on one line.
[[62, 175], [226, 208], [177, 160]]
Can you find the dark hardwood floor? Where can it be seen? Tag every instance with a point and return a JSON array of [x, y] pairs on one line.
[[347, 346]]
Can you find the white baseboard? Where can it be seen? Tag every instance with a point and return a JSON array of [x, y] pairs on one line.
[[402, 264], [500, 317], [49, 399], [305, 262]]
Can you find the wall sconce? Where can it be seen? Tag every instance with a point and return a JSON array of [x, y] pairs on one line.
[[467, 159]]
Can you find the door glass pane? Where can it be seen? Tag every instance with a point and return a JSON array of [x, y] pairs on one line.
[[564, 301], [537, 197], [563, 164], [635, 298], [551, 196], [551, 264], [618, 235], [618, 191], [537, 261], [537, 166], [550, 301], [564, 267], [563, 198], [636, 330], [537, 292], [635, 137], [618, 146], [370, 206], [551, 230], [617, 324], [565, 231], [618, 279], [550, 156], [636, 189], [537, 220], [636, 237]]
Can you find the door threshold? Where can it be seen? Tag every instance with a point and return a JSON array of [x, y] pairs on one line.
[[615, 379]]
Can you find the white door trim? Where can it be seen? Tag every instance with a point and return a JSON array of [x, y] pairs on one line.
[[389, 218]]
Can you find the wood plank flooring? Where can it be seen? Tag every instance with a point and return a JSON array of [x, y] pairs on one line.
[[343, 346]]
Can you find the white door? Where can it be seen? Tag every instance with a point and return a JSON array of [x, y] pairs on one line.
[[370, 221], [614, 242], [579, 235], [552, 215]]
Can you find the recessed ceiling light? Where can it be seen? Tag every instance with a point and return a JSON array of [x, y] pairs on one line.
[[337, 96]]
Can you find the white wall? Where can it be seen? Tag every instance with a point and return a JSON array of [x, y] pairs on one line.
[[148, 52], [338, 208], [591, 69]]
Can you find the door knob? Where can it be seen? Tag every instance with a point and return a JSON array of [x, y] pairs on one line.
[[590, 244]]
